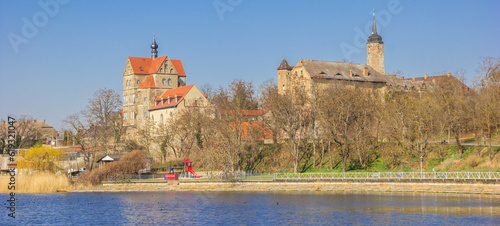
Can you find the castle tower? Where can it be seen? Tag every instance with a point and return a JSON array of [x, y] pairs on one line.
[[375, 49], [154, 46], [284, 75]]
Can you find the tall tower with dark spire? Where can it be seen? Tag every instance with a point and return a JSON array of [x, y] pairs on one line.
[[375, 49], [154, 46]]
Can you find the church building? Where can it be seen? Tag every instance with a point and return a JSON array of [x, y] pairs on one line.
[[155, 86]]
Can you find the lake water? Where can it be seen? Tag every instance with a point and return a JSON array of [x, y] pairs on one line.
[[250, 208]]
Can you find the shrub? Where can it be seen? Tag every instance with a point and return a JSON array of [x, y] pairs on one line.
[[128, 165]]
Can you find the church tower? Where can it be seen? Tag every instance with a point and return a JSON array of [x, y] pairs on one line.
[[375, 49], [284, 71]]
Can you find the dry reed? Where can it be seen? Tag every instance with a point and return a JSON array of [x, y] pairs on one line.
[[42, 182]]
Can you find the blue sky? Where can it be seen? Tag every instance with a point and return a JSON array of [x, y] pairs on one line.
[[78, 47]]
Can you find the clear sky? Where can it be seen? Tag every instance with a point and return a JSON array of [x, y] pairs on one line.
[[53, 57]]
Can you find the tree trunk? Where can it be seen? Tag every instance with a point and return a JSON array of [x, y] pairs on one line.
[[330, 154], [314, 151]]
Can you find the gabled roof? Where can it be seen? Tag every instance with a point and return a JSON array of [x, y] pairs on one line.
[[148, 65], [178, 67], [110, 157], [342, 71], [149, 82], [172, 93]]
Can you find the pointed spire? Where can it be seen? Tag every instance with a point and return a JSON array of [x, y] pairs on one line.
[[284, 65], [154, 46], [374, 28], [374, 38]]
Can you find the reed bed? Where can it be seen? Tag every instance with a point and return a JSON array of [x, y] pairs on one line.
[[39, 183]]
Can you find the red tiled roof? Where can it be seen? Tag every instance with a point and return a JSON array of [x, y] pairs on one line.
[[149, 82], [148, 65], [172, 93], [440, 78], [255, 131], [178, 67]]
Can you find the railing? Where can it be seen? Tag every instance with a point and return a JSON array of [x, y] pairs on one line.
[[388, 175]]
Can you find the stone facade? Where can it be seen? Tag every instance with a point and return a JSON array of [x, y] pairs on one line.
[[375, 56]]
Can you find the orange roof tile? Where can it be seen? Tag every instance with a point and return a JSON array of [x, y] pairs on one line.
[[255, 131], [148, 65], [171, 93], [178, 67], [149, 82]]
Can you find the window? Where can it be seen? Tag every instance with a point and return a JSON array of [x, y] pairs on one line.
[[163, 81], [301, 72], [125, 115], [283, 87], [145, 99], [161, 118], [132, 98], [165, 65], [169, 82], [145, 115], [125, 99], [141, 69], [138, 82], [132, 115]]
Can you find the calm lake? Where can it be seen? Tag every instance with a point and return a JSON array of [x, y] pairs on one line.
[[251, 208]]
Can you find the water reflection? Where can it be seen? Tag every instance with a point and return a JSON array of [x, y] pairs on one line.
[[256, 208]]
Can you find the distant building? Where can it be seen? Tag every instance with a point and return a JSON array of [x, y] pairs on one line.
[[307, 73]]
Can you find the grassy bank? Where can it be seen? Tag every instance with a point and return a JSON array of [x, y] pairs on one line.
[[37, 183]]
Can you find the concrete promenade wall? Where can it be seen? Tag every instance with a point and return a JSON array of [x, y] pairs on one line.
[[444, 187]]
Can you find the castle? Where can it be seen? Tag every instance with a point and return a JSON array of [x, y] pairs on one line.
[[155, 90], [308, 73]]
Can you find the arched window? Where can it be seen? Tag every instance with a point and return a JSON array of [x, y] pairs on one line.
[[163, 81], [171, 70], [283, 87], [169, 82]]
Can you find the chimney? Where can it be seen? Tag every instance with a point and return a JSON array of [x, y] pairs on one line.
[[402, 77], [350, 73], [425, 76], [449, 74], [365, 71]]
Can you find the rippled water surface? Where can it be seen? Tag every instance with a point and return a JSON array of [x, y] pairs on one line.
[[254, 208]]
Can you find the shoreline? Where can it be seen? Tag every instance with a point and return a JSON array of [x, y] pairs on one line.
[[271, 186]]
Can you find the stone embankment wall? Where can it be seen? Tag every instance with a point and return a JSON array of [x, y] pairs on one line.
[[445, 187]]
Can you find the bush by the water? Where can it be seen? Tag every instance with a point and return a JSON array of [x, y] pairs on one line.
[[128, 165]]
